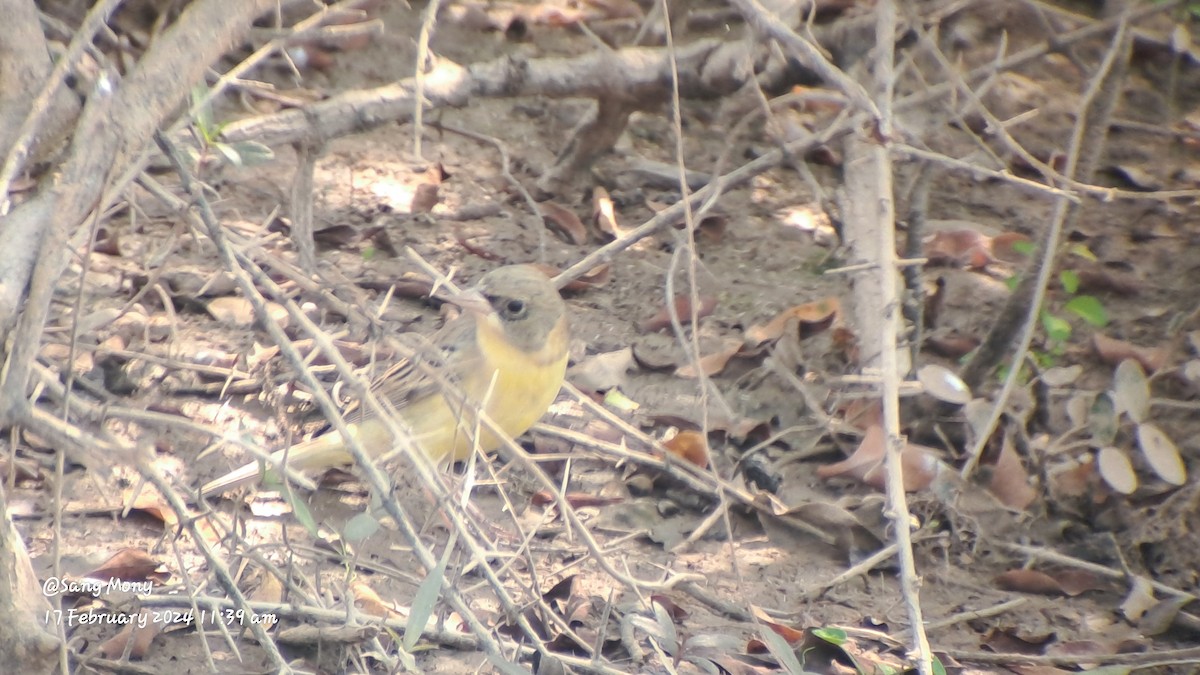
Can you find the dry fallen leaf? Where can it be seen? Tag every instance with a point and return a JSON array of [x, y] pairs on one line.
[[563, 222], [920, 464], [1064, 582], [604, 214], [1131, 391], [1112, 351], [1161, 454], [131, 564], [138, 633], [602, 372], [812, 316], [1116, 470], [1010, 480], [959, 247], [424, 198], [367, 600], [689, 445], [683, 308], [710, 364]]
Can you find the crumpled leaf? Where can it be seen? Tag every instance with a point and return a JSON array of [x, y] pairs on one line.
[[602, 372], [710, 364], [1112, 351], [920, 464], [683, 308], [813, 316], [563, 222]]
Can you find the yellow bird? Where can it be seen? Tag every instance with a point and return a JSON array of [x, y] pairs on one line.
[[514, 330]]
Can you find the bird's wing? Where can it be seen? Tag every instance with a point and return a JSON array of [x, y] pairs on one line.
[[444, 357]]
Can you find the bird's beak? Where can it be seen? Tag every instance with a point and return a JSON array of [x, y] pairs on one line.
[[473, 301]]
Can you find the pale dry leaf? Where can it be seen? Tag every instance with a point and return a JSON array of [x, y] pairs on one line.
[[1139, 600], [1116, 470], [944, 385], [1161, 453], [602, 371], [1131, 391], [1061, 376]]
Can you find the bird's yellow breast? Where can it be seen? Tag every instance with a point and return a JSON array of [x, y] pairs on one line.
[[514, 386]]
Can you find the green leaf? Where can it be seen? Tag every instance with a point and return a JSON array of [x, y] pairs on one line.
[[1090, 309], [424, 602], [253, 153], [1024, 247], [1082, 251], [1057, 329], [1070, 281], [360, 527], [300, 510], [1011, 282], [230, 153], [835, 636]]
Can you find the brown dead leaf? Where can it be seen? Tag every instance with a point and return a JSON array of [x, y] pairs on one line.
[[710, 364], [1075, 481], [1028, 581], [919, 463], [951, 345], [137, 635], [563, 222], [689, 445], [683, 308], [813, 317], [152, 504], [1064, 582], [1113, 351], [131, 564], [424, 198], [1010, 480], [1099, 279], [1007, 247], [863, 413], [960, 248], [366, 599]]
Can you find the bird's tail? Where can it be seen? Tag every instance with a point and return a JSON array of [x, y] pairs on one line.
[[322, 452]]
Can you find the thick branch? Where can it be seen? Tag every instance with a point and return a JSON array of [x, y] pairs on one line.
[[707, 69]]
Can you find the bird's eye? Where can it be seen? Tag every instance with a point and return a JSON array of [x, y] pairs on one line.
[[514, 309]]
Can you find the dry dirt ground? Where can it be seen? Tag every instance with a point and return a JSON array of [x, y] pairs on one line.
[[764, 260]]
